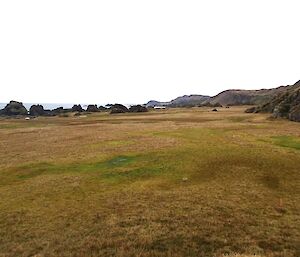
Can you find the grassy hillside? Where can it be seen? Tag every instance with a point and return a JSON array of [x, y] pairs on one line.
[[245, 97], [227, 97], [178, 182]]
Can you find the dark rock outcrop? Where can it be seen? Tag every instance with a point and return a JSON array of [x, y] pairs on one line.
[[57, 111], [49, 113], [251, 110], [37, 110], [77, 108], [286, 104], [138, 108], [294, 114], [14, 108], [92, 108], [102, 108], [118, 108]]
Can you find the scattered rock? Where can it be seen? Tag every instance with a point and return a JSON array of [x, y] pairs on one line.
[[251, 110], [14, 108], [92, 108], [138, 108], [102, 108], [77, 108], [57, 111], [214, 110], [49, 113], [118, 108], [37, 110]]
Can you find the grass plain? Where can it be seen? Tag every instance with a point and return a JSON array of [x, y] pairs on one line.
[[178, 182]]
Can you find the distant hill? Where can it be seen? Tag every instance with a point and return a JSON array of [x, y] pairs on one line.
[[245, 97], [154, 103], [227, 97], [285, 103], [189, 100], [182, 101]]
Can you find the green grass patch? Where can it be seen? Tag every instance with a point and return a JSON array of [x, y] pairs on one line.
[[10, 126], [118, 161], [287, 141], [36, 169], [115, 169]]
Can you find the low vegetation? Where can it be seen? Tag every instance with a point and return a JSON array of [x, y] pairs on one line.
[[176, 182]]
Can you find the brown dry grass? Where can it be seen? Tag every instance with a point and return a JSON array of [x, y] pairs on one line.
[[113, 185]]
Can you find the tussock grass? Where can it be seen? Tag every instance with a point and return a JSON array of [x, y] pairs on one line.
[[182, 182]]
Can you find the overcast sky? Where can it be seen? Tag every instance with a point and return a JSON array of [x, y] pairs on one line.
[[134, 51]]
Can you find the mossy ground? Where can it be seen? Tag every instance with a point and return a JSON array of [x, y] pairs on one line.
[[182, 182]]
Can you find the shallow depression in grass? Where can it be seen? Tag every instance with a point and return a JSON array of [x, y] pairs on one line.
[[116, 169]]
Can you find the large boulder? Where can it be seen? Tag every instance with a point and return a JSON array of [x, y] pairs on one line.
[[294, 114], [253, 109], [37, 110], [77, 108], [49, 113], [102, 108], [250, 110], [138, 108], [57, 111], [14, 108], [92, 108], [118, 108]]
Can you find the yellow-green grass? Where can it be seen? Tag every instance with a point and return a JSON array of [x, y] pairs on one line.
[[180, 182]]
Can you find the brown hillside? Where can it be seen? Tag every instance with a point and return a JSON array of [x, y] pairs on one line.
[[245, 97]]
